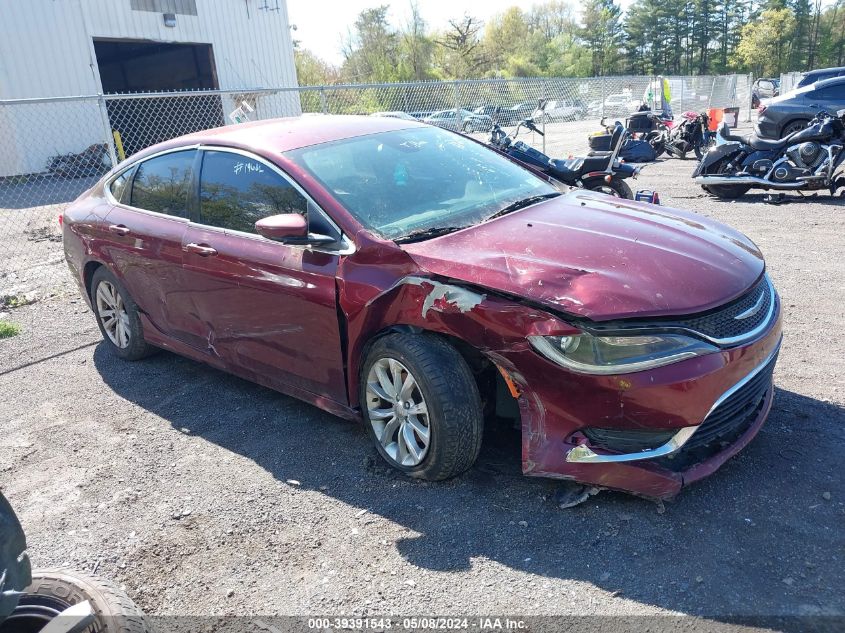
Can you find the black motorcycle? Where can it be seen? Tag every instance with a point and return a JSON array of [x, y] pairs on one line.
[[601, 171], [692, 134], [808, 159]]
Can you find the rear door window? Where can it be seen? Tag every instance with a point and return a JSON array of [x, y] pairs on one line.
[[161, 184], [236, 191]]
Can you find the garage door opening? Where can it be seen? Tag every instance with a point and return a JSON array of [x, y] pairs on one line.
[[128, 66]]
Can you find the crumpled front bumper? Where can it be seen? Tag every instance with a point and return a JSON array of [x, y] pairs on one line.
[[556, 405]]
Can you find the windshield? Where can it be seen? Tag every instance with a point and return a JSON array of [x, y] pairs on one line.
[[407, 181]]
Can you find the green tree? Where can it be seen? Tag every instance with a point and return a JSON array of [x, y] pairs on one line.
[[602, 34], [313, 71], [371, 48], [417, 48], [763, 47]]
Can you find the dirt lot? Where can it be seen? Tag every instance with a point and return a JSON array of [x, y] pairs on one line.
[[205, 494]]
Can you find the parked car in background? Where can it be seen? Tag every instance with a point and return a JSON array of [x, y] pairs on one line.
[[506, 116], [395, 114], [387, 271], [460, 121], [619, 104], [487, 110], [820, 74], [764, 89], [560, 110], [782, 115], [419, 115]]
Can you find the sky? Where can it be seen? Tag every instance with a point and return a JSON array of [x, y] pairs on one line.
[[321, 25]]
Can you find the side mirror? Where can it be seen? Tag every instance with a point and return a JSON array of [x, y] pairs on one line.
[[283, 227]]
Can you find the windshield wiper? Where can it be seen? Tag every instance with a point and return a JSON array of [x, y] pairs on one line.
[[521, 204], [426, 234]]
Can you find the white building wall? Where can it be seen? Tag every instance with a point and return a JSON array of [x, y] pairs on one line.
[[46, 50]]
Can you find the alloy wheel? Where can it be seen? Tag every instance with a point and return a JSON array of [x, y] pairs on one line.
[[398, 412], [113, 315]]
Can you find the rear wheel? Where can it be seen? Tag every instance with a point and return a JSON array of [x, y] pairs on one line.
[[421, 406], [792, 127], [727, 192], [616, 187], [118, 317]]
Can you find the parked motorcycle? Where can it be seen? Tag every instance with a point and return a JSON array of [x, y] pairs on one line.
[[633, 150], [92, 161], [691, 134], [56, 600], [808, 159], [652, 127], [603, 171]]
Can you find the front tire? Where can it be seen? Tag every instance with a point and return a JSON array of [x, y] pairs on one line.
[[421, 406], [118, 317], [616, 187], [703, 146], [657, 142], [54, 590]]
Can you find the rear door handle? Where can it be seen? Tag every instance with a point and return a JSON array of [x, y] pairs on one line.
[[200, 249], [118, 229]]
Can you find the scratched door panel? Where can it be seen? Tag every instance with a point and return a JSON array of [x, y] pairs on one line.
[[266, 308]]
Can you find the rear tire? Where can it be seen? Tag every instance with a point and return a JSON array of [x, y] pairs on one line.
[[616, 187], [445, 420], [54, 590], [727, 192], [793, 126], [118, 317]]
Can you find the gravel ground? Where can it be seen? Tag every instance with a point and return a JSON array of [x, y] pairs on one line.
[[204, 494]]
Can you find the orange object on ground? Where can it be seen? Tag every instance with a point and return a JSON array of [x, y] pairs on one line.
[[716, 115]]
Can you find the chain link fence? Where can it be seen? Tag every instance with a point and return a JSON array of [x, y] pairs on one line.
[[52, 150], [788, 81]]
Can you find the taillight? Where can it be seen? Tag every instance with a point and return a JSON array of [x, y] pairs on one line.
[[61, 220], [761, 110]]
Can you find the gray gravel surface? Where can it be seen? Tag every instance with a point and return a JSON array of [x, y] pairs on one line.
[[202, 493]]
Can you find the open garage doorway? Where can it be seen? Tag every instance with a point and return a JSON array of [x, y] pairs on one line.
[[128, 66]]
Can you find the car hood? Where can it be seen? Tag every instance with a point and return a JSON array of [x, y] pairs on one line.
[[599, 257]]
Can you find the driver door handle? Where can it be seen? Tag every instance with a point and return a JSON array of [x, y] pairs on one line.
[[200, 249], [118, 229]]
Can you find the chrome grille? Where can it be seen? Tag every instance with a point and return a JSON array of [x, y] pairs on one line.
[[727, 322]]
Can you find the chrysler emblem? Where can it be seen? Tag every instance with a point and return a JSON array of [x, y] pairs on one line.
[[750, 312]]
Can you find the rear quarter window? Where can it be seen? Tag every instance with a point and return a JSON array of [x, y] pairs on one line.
[[117, 187], [161, 184]]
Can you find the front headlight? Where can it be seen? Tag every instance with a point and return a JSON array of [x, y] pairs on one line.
[[590, 354]]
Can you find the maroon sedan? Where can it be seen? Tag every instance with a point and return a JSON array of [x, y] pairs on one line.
[[396, 272]]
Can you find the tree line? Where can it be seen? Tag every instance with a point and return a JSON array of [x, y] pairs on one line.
[[552, 39]]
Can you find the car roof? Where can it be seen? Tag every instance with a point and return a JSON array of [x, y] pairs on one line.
[[274, 136], [821, 71], [833, 81]]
